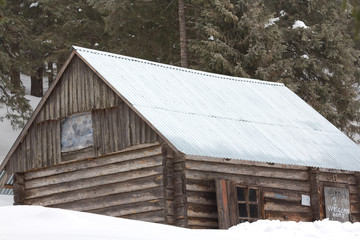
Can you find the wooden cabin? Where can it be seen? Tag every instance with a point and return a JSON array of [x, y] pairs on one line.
[[130, 138]]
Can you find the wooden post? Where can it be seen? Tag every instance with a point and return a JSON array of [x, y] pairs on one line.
[[316, 198], [357, 177], [19, 189], [226, 203]]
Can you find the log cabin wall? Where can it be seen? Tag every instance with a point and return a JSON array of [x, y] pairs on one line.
[[338, 179], [281, 187], [126, 184], [79, 90]]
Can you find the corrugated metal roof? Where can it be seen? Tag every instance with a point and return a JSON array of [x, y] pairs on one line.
[[6, 191], [219, 116]]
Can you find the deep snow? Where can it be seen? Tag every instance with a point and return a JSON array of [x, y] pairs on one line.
[[34, 222]]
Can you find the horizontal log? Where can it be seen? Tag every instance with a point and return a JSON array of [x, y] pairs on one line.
[[228, 168], [113, 200], [244, 162], [131, 208], [286, 216], [199, 185], [146, 151], [337, 177], [78, 154], [290, 196], [203, 198], [335, 171], [201, 211], [91, 182], [250, 180], [104, 190], [354, 198], [282, 207], [354, 208], [202, 222], [87, 173], [352, 188], [153, 216]]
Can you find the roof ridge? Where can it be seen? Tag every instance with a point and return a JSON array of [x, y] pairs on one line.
[[194, 71]]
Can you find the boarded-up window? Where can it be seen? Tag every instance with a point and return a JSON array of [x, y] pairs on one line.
[[337, 203], [76, 132], [236, 203]]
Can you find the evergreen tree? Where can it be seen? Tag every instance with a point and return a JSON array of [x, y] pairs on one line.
[[305, 44], [144, 29], [13, 37], [56, 26]]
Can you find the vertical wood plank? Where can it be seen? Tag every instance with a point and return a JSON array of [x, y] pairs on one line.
[[57, 141], [222, 204], [132, 127], [115, 130], [91, 89], [62, 97], [33, 148], [143, 132], [57, 102], [74, 89], [121, 129], [126, 126], [96, 92], [85, 89], [67, 93], [317, 207]]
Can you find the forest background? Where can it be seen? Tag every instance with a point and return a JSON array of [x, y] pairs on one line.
[[309, 45]]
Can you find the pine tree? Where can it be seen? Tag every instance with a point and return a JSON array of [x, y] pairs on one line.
[[259, 39], [13, 36], [144, 29]]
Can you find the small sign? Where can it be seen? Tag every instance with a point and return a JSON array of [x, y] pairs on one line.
[[305, 200], [337, 204]]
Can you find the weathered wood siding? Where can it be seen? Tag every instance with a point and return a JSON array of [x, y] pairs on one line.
[[79, 90], [127, 184], [281, 187], [340, 179]]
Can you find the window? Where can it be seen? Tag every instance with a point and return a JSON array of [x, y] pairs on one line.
[[76, 132], [248, 203], [236, 203]]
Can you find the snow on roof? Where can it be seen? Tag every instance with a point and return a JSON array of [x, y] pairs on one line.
[[219, 116]]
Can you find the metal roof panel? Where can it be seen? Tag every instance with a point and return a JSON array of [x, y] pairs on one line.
[[220, 116]]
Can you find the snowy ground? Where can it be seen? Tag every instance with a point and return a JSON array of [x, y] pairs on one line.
[[32, 222]]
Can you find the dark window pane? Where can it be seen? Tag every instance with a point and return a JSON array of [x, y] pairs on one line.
[[243, 220], [242, 210], [241, 194], [252, 195], [253, 211]]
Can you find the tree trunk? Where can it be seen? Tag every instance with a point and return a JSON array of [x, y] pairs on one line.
[[50, 73], [15, 78], [37, 83], [182, 24]]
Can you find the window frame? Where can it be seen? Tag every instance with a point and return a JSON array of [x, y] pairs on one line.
[[247, 202], [227, 203]]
